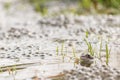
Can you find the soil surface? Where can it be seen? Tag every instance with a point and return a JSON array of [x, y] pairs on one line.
[[28, 41]]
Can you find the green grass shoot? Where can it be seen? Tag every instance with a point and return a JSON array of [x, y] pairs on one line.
[[107, 54], [62, 47], [57, 50], [62, 53], [1, 70], [90, 49], [14, 69], [100, 49], [86, 34], [73, 51], [86, 42]]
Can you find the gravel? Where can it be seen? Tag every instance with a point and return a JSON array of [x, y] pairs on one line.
[[92, 73], [26, 36]]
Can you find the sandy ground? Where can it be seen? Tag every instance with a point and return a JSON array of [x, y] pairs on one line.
[[27, 37]]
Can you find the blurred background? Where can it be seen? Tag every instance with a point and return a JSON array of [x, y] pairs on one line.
[[76, 6], [53, 7]]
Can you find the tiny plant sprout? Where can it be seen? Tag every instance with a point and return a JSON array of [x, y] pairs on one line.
[[57, 50], [76, 61], [107, 54], [14, 69], [1, 70], [86, 34], [87, 43], [100, 49], [62, 47], [74, 53], [62, 54], [90, 49]]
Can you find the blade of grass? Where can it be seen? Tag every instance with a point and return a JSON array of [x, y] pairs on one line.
[[1, 70], [90, 49], [87, 43], [100, 49], [86, 34], [62, 47], [107, 54], [57, 50], [63, 55], [74, 53]]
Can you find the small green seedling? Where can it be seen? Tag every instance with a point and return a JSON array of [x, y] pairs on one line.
[[62, 53], [66, 50], [90, 49], [57, 50], [107, 54], [74, 53], [86, 34], [62, 47], [1, 70], [14, 69], [100, 49]]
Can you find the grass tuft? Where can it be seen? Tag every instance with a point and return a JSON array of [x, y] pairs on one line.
[[90, 48]]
